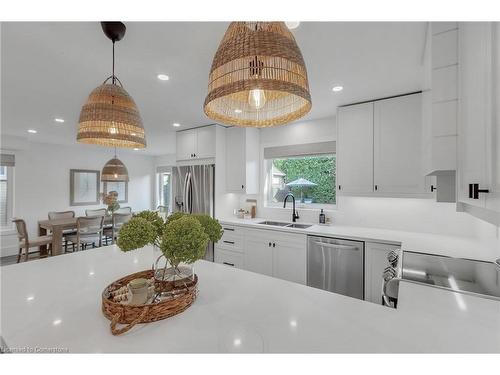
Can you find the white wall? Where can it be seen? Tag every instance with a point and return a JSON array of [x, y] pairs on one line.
[[415, 215], [41, 180]]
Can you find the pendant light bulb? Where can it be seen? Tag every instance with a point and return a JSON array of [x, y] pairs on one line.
[[256, 98]]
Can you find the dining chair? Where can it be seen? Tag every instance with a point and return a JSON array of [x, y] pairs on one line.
[[25, 243], [88, 231], [124, 210], [118, 220], [54, 215], [97, 212]]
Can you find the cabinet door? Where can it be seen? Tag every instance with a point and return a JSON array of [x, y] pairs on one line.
[[235, 160], [355, 149], [375, 263], [398, 146], [205, 142], [258, 252], [493, 199], [289, 259], [475, 102], [186, 144]]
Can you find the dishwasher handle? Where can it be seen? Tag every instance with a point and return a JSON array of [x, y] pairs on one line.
[[335, 246]]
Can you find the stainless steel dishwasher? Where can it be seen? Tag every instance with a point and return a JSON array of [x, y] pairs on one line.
[[336, 265]]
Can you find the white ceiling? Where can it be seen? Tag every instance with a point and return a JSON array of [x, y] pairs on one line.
[[48, 69]]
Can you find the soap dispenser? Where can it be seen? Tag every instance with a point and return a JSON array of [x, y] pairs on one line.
[[322, 218]]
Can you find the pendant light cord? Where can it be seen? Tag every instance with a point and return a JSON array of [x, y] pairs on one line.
[[113, 70]]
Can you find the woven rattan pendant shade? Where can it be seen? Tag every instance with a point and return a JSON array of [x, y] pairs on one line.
[[114, 170], [110, 118], [260, 57]]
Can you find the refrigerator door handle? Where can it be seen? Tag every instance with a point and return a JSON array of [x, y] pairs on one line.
[[186, 192]]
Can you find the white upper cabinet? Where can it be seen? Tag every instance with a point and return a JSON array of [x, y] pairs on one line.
[[380, 148], [205, 141], [398, 135], [242, 160], [186, 144], [355, 148], [196, 143], [479, 139]]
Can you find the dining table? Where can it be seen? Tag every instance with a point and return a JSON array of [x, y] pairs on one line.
[[57, 226]]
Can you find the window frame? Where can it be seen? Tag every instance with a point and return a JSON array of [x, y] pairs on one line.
[[267, 186], [9, 226], [159, 186]]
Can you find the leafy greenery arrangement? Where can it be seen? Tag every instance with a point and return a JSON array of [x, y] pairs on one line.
[[182, 238]]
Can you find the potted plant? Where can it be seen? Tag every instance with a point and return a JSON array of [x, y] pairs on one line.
[[111, 200], [182, 240]]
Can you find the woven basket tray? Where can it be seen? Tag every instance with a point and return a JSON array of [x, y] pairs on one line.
[[118, 313]]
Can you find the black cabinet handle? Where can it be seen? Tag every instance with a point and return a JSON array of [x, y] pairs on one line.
[[228, 264], [340, 187], [229, 242], [433, 188], [229, 229], [242, 186], [474, 191], [269, 244], [274, 245], [376, 187]]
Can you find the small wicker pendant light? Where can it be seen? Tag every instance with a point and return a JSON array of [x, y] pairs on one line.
[[110, 116], [114, 170], [258, 77]]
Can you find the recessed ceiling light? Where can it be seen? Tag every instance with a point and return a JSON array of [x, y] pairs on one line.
[[238, 110], [136, 149], [292, 24], [60, 120], [57, 322], [337, 88], [32, 131], [163, 77], [176, 124]]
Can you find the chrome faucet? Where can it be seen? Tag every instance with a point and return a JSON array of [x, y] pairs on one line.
[[295, 214]]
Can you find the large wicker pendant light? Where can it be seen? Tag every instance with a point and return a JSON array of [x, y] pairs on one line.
[[258, 77], [110, 116], [114, 170]]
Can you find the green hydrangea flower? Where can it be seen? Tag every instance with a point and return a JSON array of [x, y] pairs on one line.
[[184, 240], [135, 234], [211, 226], [155, 219]]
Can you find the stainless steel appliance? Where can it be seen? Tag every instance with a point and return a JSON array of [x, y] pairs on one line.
[[467, 276], [193, 192], [336, 265]]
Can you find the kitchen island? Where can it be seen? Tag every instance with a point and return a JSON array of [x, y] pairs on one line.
[[55, 303]]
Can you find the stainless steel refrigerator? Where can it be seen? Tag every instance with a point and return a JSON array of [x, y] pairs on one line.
[[193, 192]]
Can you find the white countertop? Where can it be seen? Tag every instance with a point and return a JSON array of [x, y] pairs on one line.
[[454, 246], [55, 303]]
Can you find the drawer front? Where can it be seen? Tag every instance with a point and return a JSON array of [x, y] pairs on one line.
[[228, 257], [232, 239]]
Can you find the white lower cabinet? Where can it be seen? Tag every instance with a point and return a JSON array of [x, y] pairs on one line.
[[258, 255], [375, 263], [289, 259], [228, 257], [278, 254]]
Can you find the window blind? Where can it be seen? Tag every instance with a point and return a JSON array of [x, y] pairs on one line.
[[7, 160], [317, 148]]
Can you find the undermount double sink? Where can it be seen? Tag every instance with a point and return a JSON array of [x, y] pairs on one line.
[[286, 225]]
